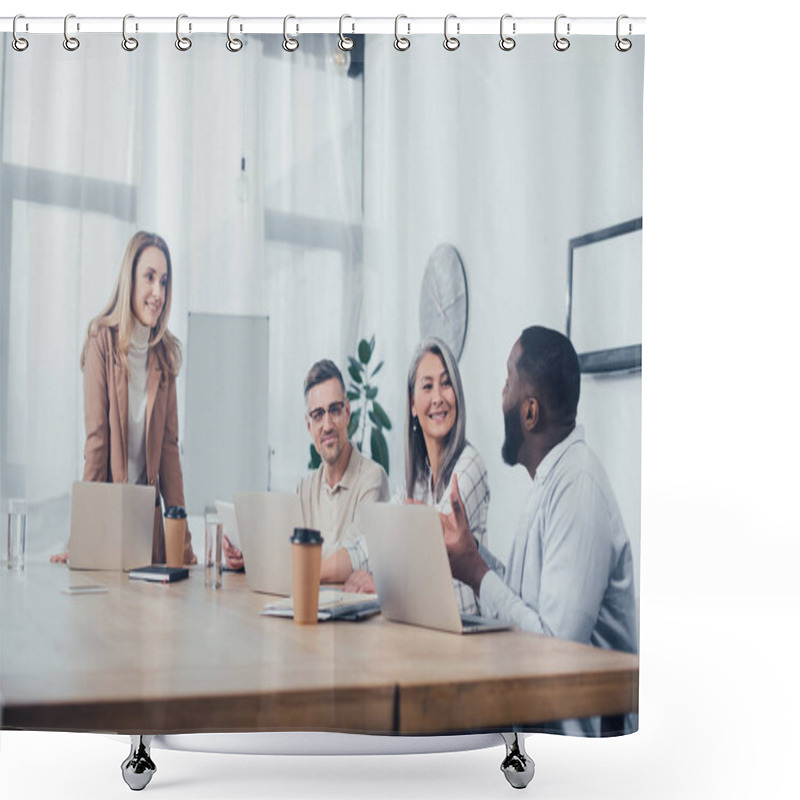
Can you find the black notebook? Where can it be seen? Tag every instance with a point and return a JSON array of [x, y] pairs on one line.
[[159, 574]]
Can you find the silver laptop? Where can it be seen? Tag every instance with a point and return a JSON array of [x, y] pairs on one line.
[[266, 520], [111, 526], [412, 574]]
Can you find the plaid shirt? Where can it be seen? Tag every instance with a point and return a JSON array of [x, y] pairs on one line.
[[473, 486]]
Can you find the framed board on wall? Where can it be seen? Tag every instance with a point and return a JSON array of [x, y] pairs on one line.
[[604, 298]]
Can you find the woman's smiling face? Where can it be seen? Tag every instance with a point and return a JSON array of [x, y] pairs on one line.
[[434, 401], [149, 286]]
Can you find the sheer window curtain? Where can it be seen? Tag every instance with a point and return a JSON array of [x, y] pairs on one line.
[[158, 143]]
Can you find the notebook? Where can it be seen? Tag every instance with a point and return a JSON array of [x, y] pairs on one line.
[[111, 526], [412, 574], [333, 604], [266, 520]]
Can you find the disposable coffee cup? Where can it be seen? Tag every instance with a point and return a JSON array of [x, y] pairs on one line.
[[306, 564], [174, 534]]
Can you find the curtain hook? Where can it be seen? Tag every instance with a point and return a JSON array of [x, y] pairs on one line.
[[71, 43], [561, 43], [289, 44], [129, 43], [233, 44], [345, 42], [507, 42], [183, 43], [19, 43], [451, 42], [623, 45], [400, 42]]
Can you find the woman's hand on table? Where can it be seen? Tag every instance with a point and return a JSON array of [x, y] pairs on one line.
[[233, 557], [360, 581]]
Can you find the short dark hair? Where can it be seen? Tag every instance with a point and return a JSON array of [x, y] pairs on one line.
[[320, 372], [550, 362]]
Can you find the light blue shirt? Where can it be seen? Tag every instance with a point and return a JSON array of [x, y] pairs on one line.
[[570, 571]]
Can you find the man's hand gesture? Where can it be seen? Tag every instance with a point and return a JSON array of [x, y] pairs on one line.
[[462, 549]]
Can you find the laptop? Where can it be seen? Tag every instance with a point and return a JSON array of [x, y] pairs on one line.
[[412, 573], [111, 526], [266, 521]]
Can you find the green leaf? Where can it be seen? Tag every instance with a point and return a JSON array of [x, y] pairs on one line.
[[354, 393], [364, 351], [315, 460], [371, 345], [371, 392], [381, 415], [355, 417], [355, 364], [355, 374], [379, 448], [376, 370]]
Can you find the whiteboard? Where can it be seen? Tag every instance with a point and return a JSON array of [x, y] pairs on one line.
[[226, 444]]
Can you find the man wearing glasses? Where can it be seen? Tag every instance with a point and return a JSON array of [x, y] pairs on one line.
[[330, 495]]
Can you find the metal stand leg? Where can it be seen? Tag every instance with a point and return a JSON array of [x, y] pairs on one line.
[[138, 768], [517, 766]]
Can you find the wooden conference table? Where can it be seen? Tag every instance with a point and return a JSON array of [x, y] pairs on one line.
[[151, 658]]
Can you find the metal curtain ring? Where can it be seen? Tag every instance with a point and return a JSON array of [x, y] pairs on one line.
[[507, 42], [400, 42], [561, 43], [451, 42], [345, 42], [623, 45], [70, 42], [129, 43], [233, 44], [183, 43], [18, 43], [289, 44]]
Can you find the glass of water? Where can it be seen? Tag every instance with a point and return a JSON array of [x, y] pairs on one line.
[[212, 553], [17, 518]]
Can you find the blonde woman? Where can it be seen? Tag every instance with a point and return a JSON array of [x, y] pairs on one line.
[[130, 361], [436, 450]]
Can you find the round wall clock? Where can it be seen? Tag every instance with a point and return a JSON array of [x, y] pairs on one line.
[[443, 299]]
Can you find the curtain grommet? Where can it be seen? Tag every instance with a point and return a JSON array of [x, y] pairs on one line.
[[451, 43], [507, 43], [345, 42], [71, 43], [233, 44], [19, 43], [183, 43], [401, 43], [561, 43], [289, 44], [129, 43]]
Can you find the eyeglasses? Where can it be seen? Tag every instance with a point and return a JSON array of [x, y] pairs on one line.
[[335, 411]]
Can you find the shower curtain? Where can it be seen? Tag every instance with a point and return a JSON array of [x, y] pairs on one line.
[[351, 197]]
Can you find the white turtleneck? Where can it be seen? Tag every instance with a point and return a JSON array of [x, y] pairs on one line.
[[137, 402]]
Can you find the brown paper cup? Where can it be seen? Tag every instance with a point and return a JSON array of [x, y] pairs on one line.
[[174, 536], [306, 564]]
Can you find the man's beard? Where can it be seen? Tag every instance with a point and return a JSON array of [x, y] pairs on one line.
[[513, 440]]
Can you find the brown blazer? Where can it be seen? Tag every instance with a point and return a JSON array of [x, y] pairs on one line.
[[105, 411]]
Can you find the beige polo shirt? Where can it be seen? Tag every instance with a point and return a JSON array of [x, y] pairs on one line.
[[332, 509]]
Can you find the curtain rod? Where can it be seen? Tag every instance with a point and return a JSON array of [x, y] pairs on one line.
[[407, 26]]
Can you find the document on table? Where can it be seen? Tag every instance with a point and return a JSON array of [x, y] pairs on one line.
[[333, 604]]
